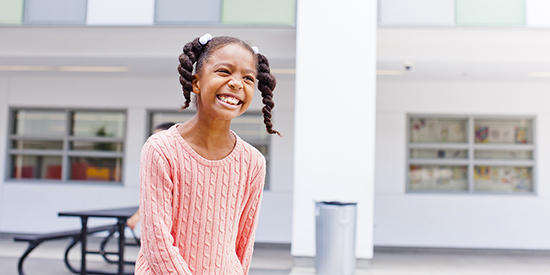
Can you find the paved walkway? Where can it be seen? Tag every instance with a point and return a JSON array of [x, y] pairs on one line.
[[393, 261], [47, 259]]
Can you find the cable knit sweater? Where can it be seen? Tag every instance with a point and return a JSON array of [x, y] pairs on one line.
[[198, 216]]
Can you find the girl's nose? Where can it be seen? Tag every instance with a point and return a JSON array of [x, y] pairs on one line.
[[235, 84]]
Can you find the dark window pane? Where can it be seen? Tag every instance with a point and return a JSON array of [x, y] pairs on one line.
[[262, 148], [160, 118], [250, 128], [281, 12], [39, 123], [96, 169], [96, 146], [55, 11], [98, 124], [38, 144], [177, 11], [36, 167]]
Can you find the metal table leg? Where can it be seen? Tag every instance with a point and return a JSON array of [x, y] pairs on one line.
[[83, 242], [121, 242]]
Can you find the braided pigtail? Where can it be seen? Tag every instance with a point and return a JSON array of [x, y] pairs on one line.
[[190, 55], [266, 84]]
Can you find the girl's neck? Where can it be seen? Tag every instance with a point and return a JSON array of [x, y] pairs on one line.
[[211, 139]]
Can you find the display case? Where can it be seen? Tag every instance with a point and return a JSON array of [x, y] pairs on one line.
[[471, 154]]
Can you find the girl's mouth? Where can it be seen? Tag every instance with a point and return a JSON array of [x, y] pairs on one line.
[[229, 100]]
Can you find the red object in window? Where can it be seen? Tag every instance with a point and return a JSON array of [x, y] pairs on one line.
[[78, 171], [25, 172], [53, 172]]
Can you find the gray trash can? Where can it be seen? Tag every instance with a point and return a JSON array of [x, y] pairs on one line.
[[335, 237]]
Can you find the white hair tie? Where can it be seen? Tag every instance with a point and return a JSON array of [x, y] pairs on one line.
[[205, 38], [256, 50]]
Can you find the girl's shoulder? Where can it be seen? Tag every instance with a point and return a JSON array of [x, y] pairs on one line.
[[250, 152], [164, 141]]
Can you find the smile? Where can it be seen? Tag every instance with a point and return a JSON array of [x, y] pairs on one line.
[[229, 100]]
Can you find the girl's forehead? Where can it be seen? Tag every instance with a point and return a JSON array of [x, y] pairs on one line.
[[234, 52]]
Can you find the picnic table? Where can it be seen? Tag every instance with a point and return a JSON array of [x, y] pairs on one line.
[[121, 214]]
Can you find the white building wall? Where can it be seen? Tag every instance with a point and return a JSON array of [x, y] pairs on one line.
[[4, 84], [458, 220], [416, 13], [120, 12], [33, 207], [275, 224], [535, 13]]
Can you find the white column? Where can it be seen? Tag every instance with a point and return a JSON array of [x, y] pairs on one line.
[[4, 171], [335, 115], [120, 12]]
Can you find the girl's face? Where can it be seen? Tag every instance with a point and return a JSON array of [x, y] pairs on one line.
[[225, 86]]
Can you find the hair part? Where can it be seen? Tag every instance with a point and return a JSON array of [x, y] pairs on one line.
[[196, 53]]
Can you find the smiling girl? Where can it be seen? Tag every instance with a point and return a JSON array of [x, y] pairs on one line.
[[201, 184]]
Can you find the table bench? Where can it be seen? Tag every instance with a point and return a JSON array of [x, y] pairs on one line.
[[35, 240]]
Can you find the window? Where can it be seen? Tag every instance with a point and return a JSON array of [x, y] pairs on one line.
[[55, 12], [472, 154], [66, 144], [175, 11], [249, 126]]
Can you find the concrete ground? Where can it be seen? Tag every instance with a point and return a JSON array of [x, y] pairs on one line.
[[423, 261], [47, 259]]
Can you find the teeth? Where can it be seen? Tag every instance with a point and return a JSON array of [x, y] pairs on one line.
[[229, 100]]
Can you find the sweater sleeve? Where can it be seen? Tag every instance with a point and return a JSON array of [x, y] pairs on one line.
[[249, 218], [156, 210]]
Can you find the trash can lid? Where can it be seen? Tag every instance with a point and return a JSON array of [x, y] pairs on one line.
[[337, 203]]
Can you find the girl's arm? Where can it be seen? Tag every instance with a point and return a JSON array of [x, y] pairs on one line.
[[249, 218], [156, 212]]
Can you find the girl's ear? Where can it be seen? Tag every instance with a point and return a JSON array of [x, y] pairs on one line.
[[196, 89]]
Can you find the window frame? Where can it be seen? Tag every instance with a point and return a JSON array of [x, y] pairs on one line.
[[65, 153], [471, 146]]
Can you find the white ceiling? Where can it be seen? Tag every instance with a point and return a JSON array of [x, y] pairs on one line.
[[437, 54], [145, 50], [463, 54]]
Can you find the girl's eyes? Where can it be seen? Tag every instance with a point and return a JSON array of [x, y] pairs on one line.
[[225, 71]]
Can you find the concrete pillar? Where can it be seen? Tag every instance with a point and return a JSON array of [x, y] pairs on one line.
[[334, 115], [4, 113]]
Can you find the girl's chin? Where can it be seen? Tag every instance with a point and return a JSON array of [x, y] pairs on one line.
[[224, 112], [227, 114]]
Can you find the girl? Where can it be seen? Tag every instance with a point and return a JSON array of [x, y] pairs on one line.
[[201, 184]]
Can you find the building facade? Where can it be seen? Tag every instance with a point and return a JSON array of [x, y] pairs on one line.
[[367, 103]]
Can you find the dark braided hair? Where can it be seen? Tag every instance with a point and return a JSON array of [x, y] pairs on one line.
[[266, 85], [191, 52], [195, 52]]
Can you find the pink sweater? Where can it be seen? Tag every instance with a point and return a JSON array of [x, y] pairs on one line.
[[198, 216]]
